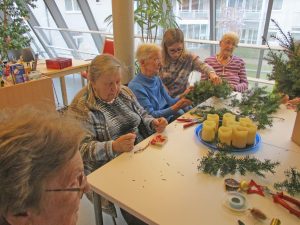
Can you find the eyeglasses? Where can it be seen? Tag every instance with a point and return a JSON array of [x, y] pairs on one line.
[[82, 183], [175, 50]]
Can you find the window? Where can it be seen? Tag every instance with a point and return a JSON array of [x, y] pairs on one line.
[[254, 5], [78, 40], [71, 6], [185, 5], [277, 4], [296, 35]]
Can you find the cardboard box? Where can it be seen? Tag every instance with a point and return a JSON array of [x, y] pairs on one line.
[[296, 131], [58, 63]]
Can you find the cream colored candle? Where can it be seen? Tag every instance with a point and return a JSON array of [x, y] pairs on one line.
[[214, 117], [245, 119], [252, 128], [208, 130], [239, 137], [232, 123], [227, 117], [225, 135]]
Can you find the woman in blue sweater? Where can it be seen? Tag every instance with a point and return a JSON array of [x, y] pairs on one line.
[[149, 89]]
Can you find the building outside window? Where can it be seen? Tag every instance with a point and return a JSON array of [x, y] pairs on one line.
[[72, 6]]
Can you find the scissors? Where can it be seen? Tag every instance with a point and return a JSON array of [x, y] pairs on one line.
[[291, 204], [189, 122]]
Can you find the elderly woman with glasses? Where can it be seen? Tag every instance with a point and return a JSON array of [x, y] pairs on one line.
[[111, 113], [149, 89], [228, 66], [41, 170], [177, 64]]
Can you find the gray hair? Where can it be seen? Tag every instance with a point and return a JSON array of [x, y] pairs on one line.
[[34, 145], [231, 36], [144, 51], [104, 64]]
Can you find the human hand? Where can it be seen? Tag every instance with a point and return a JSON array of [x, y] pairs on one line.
[[188, 90], [159, 124], [215, 79], [124, 143], [293, 103], [182, 103]]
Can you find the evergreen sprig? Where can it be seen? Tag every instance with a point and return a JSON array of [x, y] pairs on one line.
[[202, 111], [292, 182], [205, 89], [258, 104], [286, 64], [224, 163]]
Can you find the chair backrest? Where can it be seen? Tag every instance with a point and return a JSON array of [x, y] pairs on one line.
[[108, 46]]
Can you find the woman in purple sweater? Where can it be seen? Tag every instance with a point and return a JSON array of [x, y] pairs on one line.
[[228, 66]]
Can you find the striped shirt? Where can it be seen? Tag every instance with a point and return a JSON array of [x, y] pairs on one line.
[[234, 72], [175, 74]]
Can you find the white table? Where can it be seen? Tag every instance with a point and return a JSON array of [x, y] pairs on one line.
[[163, 185]]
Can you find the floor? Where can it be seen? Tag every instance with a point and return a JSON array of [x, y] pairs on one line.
[[87, 217]]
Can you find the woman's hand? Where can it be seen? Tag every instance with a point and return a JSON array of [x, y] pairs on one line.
[[293, 103], [182, 103], [124, 143], [215, 78], [188, 90], [159, 124]]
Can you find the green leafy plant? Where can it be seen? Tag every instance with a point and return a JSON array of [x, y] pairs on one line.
[[205, 89], [292, 182], [224, 163], [258, 104], [286, 64], [150, 15], [13, 28]]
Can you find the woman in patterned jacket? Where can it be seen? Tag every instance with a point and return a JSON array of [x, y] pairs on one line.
[[113, 116]]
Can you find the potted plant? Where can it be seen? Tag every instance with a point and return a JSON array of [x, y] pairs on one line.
[[13, 28], [286, 72], [150, 15]]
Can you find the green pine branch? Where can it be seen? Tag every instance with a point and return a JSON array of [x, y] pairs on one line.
[[223, 163], [292, 182], [205, 89]]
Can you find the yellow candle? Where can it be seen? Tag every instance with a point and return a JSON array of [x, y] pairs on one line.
[[208, 130], [227, 117], [239, 137], [252, 128], [245, 119], [245, 123], [225, 135], [232, 123], [214, 117]]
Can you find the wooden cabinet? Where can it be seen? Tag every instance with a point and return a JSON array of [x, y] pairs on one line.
[[36, 92]]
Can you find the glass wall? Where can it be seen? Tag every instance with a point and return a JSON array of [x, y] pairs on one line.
[[246, 17]]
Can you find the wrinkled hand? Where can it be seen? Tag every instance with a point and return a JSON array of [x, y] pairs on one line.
[[182, 103], [159, 124], [215, 79], [292, 104], [188, 90], [124, 143]]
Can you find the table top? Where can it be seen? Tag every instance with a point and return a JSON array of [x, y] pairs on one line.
[[77, 66], [164, 186]]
